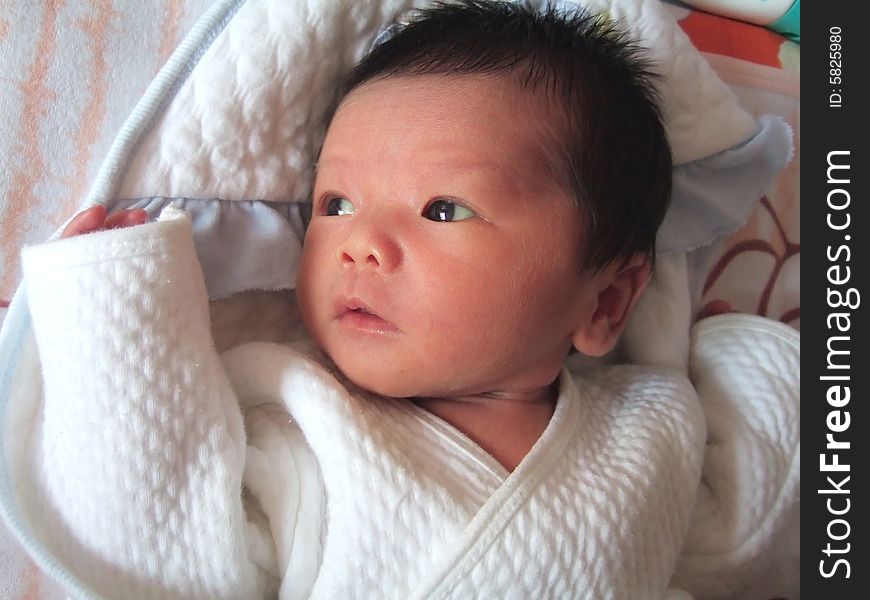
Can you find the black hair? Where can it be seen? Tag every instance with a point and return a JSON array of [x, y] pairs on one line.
[[613, 155]]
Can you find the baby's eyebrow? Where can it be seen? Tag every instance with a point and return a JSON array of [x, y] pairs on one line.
[[498, 174], [332, 159]]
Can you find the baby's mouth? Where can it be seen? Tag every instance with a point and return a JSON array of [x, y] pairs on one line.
[[355, 314]]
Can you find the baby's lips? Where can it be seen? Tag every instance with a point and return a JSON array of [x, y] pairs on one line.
[[344, 304], [357, 316]]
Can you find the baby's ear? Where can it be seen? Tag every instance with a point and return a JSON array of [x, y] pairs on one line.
[[619, 285]]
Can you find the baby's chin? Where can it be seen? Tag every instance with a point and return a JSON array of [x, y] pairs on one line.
[[388, 380], [384, 382]]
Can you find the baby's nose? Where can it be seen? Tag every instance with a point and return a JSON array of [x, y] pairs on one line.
[[367, 248]]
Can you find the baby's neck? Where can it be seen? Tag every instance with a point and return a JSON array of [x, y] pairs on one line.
[[504, 424], [545, 394]]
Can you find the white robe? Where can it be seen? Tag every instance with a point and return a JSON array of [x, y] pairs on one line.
[[158, 469]]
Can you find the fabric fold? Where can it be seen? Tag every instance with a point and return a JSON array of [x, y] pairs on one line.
[[747, 373]]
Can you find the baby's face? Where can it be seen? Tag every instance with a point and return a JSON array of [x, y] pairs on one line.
[[442, 255]]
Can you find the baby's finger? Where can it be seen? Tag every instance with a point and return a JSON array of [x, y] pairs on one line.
[[713, 308], [87, 221], [126, 218]]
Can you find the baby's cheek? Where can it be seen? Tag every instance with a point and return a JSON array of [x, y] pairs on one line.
[[471, 318], [309, 294]]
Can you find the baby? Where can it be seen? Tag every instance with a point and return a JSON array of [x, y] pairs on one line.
[[487, 197], [458, 213]]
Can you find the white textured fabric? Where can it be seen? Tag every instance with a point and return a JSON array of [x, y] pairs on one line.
[[415, 510], [747, 373], [119, 451], [136, 458]]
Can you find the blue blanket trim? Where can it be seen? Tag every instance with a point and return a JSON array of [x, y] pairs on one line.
[[241, 245], [714, 196]]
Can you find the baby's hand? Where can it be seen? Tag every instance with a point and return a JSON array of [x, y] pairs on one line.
[[95, 219]]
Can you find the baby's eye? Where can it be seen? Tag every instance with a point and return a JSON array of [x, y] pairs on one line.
[[339, 206], [444, 211]]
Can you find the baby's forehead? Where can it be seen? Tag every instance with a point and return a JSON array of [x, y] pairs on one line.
[[507, 89], [487, 113]]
